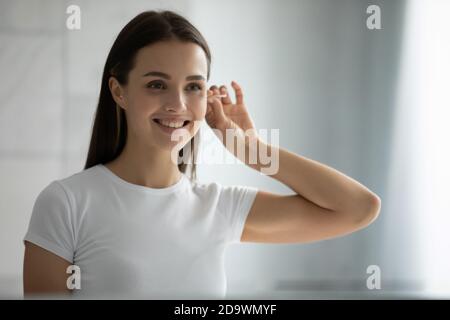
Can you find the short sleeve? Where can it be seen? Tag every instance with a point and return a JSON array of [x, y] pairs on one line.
[[51, 224], [236, 202]]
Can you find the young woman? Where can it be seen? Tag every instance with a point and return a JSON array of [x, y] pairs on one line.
[[137, 224]]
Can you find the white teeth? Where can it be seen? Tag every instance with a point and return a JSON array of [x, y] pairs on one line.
[[172, 124]]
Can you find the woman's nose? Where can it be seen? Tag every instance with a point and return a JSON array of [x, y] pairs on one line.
[[176, 102]]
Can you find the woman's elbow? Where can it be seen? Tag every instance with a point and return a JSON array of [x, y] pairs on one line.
[[370, 209]]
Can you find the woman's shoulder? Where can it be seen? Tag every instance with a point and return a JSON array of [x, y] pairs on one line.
[[73, 184]]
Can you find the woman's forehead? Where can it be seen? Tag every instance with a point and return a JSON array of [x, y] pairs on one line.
[[172, 57]]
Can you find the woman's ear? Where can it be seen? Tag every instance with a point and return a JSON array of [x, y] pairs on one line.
[[117, 92]]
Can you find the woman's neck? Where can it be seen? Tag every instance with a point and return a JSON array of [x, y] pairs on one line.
[[150, 168]]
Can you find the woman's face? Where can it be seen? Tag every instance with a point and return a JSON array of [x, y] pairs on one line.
[[167, 83]]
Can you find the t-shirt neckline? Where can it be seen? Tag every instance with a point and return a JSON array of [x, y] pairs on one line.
[[172, 188]]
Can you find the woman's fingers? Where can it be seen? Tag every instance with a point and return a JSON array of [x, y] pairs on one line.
[[214, 89], [238, 92], [219, 105], [209, 93], [224, 91], [216, 106]]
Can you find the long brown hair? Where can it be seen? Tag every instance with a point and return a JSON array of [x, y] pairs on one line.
[[109, 132]]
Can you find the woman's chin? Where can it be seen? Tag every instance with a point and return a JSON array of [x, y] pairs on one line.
[[169, 145]]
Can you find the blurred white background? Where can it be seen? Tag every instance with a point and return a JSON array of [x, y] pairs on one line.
[[370, 103]]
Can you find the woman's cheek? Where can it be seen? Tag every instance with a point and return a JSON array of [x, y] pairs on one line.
[[197, 107], [148, 105], [203, 105]]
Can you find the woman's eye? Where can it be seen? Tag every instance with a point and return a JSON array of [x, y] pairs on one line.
[[160, 85], [155, 85], [195, 85]]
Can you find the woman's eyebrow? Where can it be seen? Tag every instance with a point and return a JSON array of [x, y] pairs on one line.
[[166, 76]]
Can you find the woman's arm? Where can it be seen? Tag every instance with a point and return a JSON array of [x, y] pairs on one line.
[[327, 203], [44, 273]]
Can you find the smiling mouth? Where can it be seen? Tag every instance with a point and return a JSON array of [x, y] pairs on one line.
[[185, 123]]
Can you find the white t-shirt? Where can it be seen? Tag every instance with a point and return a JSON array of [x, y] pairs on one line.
[[131, 241]]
